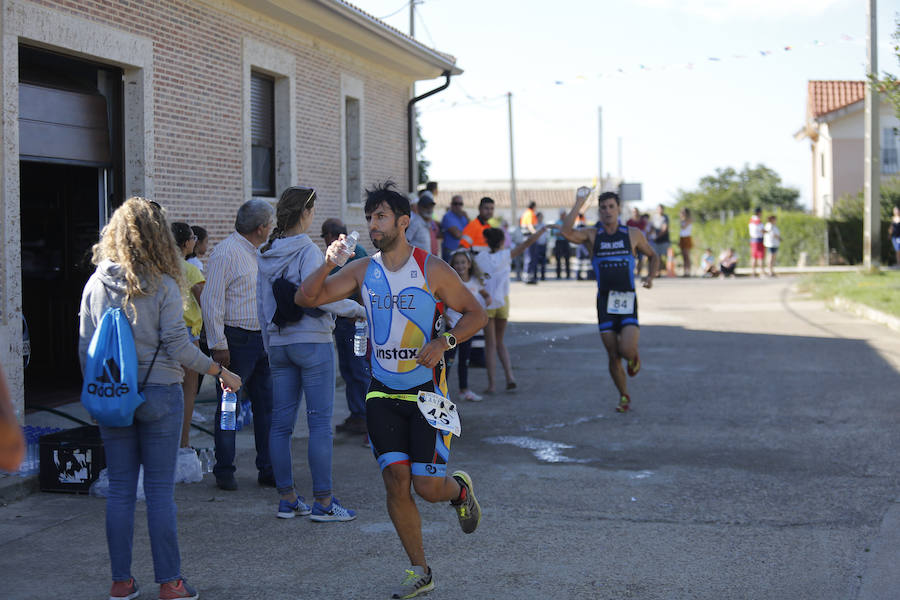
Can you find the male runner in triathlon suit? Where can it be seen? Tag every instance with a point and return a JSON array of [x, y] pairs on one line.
[[404, 291], [612, 255]]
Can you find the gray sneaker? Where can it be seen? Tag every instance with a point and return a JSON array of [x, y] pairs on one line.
[[468, 511], [416, 582]]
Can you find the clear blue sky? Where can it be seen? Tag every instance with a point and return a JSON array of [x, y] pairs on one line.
[[676, 123]]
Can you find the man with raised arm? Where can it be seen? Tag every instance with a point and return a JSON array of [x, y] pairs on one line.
[[404, 292], [613, 249]]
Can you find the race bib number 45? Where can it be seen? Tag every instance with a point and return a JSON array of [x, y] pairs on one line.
[[620, 303], [439, 412]]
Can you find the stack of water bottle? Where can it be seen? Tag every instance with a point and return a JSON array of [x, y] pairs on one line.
[[31, 464]]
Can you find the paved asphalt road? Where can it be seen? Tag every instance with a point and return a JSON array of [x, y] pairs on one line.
[[760, 462]]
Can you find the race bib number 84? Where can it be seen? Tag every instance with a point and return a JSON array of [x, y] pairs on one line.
[[620, 303], [439, 412]]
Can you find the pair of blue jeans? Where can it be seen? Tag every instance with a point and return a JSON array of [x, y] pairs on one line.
[[300, 370], [249, 360], [152, 440], [354, 369]]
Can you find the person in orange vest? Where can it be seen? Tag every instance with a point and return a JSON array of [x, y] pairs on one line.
[[473, 233]]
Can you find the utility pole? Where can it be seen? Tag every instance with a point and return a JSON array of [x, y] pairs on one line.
[[620, 159], [600, 148], [872, 181], [512, 165], [412, 18]]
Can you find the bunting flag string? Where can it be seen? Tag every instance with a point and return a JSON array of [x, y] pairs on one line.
[[620, 72]]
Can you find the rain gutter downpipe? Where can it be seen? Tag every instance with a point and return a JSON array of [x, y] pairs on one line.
[[411, 141]]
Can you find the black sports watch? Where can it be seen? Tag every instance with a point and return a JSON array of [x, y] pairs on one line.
[[451, 340]]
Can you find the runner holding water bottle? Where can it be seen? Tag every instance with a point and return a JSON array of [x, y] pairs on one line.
[[613, 248], [404, 292]]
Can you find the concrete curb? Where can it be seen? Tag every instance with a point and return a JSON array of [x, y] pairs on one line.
[[865, 312], [881, 578], [13, 488]]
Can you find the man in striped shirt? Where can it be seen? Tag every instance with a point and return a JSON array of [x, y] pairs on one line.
[[233, 334]]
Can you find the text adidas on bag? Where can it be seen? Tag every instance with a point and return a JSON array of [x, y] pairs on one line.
[[108, 390]]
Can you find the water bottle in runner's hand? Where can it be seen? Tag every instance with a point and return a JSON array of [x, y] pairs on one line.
[[228, 420], [349, 243], [361, 338]]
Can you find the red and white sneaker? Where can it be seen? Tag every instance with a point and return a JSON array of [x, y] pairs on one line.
[[124, 590], [177, 590], [634, 365], [624, 404]]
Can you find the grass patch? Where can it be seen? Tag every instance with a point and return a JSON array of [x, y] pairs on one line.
[[880, 291]]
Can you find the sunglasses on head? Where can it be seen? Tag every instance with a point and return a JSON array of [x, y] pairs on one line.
[[310, 195]]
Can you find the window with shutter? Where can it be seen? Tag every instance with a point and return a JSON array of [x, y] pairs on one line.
[[353, 158], [262, 134], [890, 145]]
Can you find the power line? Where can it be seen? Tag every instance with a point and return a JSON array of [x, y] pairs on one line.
[[396, 11]]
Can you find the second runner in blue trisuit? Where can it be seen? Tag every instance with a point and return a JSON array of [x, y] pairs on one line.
[[612, 255]]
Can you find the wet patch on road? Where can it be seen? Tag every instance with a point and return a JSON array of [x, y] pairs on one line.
[[578, 421], [543, 450]]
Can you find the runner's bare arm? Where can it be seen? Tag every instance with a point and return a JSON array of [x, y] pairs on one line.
[[568, 231], [445, 283], [319, 288], [639, 243]]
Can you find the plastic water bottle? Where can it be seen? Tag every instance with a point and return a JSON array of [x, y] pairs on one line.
[[228, 421], [361, 338], [349, 247]]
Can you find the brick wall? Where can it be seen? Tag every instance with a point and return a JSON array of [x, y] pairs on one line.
[[197, 106]]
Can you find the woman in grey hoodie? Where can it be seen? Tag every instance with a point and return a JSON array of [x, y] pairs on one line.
[[301, 356], [139, 269]]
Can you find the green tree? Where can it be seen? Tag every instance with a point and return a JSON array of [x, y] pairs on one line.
[[733, 191], [850, 207], [889, 85], [420, 149]]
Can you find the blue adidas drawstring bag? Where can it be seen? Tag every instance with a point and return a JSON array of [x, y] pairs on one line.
[[110, 392]]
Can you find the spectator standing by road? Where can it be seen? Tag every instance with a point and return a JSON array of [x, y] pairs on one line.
[[472, 277], [473, 233], [354, 369], [139, 269], [418, 234], [299, 345], [540, 252], [685, 243], [193, 320], [200, 246], [452, 226], [757, 249], [562, 251], [659, 236], [233, 333], [528, 223], [895, 235], [771, 240], [495, 264], [426, 211], [639, 222]]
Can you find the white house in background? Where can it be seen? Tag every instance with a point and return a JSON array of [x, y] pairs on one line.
[[835, 128]]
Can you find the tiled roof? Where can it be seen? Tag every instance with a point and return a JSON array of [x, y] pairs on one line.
[[829, 96], [394, 30]]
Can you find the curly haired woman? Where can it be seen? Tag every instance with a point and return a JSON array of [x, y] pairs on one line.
[[139, 269]]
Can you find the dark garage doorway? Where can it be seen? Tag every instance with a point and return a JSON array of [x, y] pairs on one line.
[[70, 150]]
